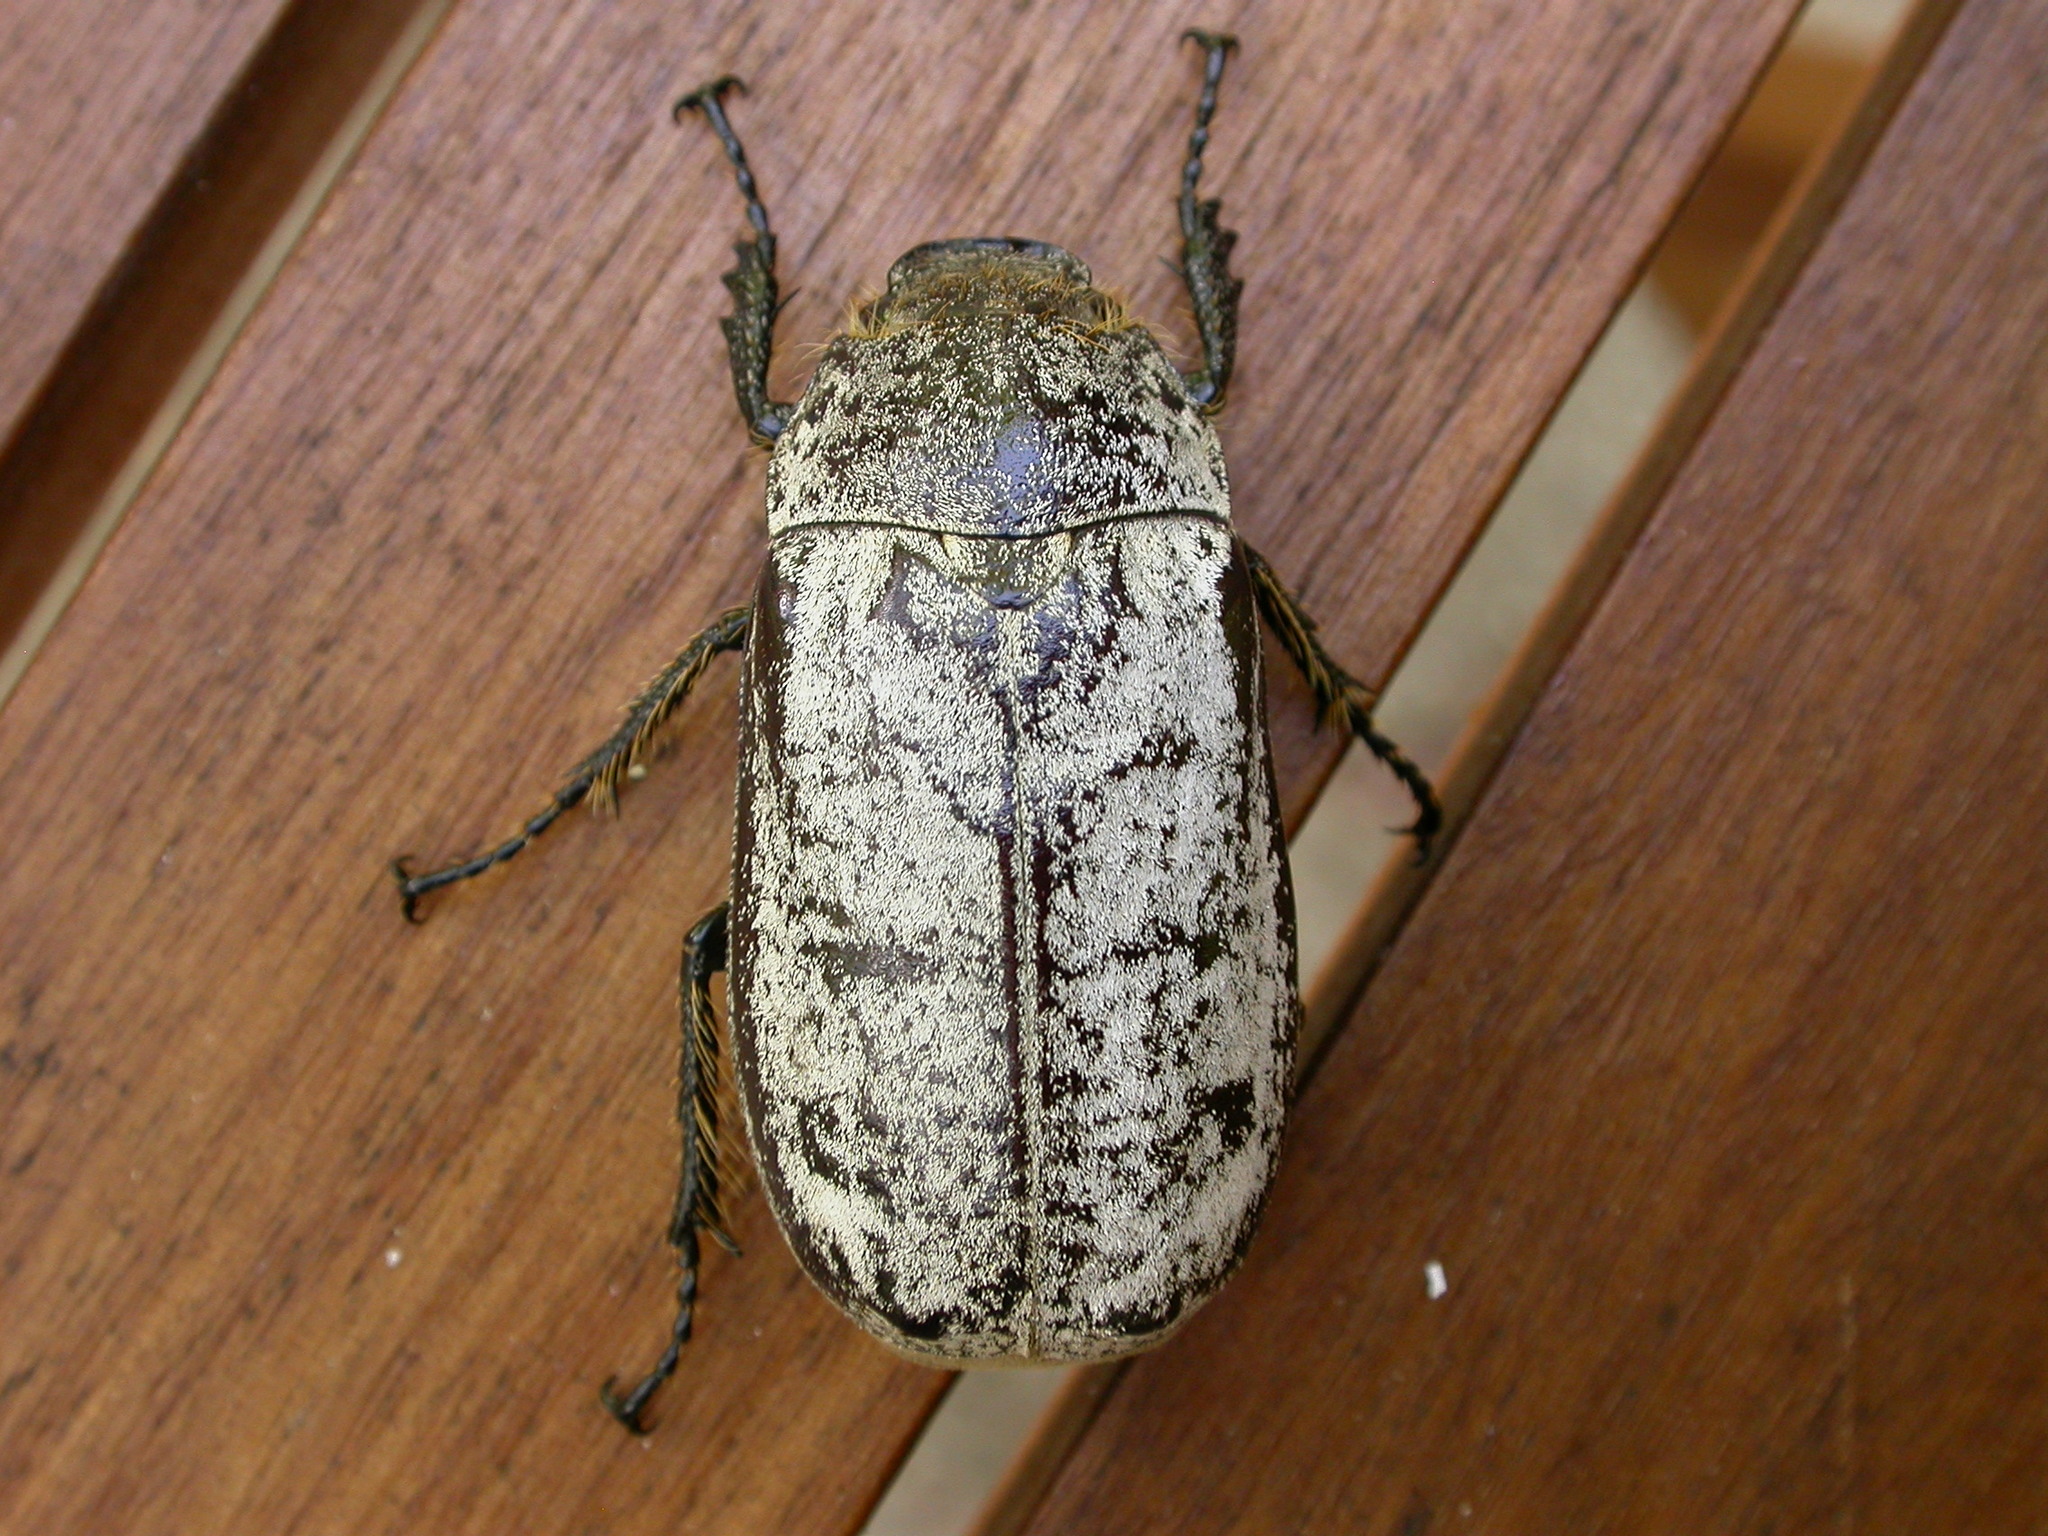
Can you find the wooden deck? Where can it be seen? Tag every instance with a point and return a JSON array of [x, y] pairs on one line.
[[1708, 1059]]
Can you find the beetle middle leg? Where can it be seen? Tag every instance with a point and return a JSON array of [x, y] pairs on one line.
[[597, 778], [1205, 243], [1342, 698], [697, 1193], [750, 328]]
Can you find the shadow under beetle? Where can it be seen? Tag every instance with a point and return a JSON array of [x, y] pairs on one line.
[[1011, 936]]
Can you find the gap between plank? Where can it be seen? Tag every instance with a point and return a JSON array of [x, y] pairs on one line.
[[131, 374], [1794, 234], [1780, 256]]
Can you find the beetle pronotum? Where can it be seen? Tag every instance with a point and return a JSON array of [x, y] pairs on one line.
[[1011, 937]]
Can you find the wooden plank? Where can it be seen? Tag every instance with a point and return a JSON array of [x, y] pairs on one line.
[[154, 148], [104, 98], [1710, 1068], [1802, 220], [1796, 110], [1803, 217], [329, 1224]]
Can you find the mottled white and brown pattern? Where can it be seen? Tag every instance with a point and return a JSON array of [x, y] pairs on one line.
[[1013, 956], [1039, 426]]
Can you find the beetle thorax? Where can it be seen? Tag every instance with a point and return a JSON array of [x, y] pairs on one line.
[[993, 390], [962, 282]]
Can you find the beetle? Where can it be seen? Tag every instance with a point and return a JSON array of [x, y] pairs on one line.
[[1012, 984]]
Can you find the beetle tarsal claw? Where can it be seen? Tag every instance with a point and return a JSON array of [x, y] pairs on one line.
[[408, 898], [622, 1409], [707, 96]]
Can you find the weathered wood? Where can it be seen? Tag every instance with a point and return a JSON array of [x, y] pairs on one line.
[[325, 1223], [150, 150], [1711, 1067]]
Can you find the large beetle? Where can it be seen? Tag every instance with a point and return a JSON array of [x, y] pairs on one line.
[[1011, 937]]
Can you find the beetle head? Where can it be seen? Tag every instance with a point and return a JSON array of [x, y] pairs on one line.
[[953, 281]]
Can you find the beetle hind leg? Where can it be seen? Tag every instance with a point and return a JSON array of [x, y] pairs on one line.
[[1342, 698], [1205, 243], [597, 777], [705, 1164], [750, 328]]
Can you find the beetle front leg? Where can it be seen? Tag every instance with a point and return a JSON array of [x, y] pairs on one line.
[[1342, 698], [697, 1194], [597, 778], [1205, 243], [750, 328]]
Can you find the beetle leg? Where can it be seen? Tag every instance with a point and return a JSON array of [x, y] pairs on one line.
[[1205, 243], [750, 328], [1342, 698], [597, 778], [697, 1194]]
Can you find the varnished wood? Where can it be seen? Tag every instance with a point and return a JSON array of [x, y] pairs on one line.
[[104, 99], [1711, 1066], [330, 1224], [1766, 276], [136, 199], [1330, 996], [1797, 108]]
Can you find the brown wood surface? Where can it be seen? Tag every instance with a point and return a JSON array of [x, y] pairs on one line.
[[104, 99], [152, 150], [1712, 1067], [327, 1224], [1807, 205], [1755, 292], [1795, 110]]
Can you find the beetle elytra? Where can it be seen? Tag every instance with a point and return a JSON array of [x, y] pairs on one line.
[[1011, 937]]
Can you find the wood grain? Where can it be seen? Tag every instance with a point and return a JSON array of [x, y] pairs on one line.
[[1801, 222], [105, 98], [332, 1225], [1711, 1067], [121, 277], [1796, 110]]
